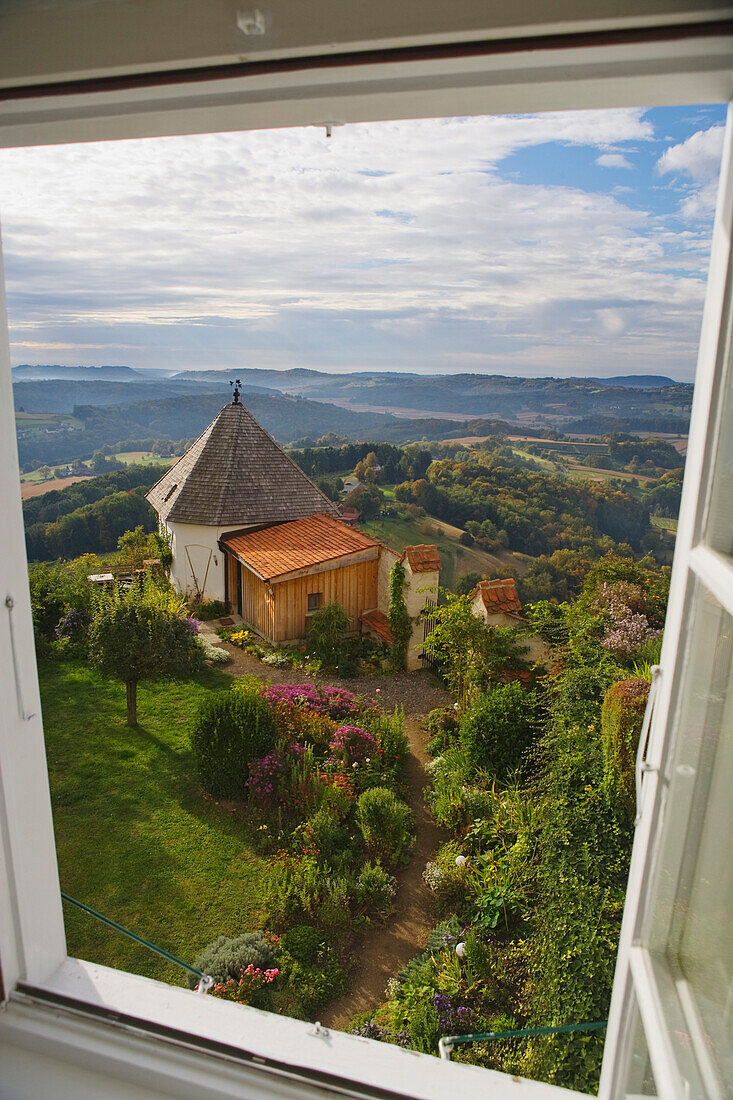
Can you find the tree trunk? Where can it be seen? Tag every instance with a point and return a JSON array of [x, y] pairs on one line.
[[131, 686]]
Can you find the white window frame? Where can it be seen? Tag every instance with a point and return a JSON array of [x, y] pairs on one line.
[[640, 976], [144, 1031]]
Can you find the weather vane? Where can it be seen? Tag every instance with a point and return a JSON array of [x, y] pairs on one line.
[[237, 391]]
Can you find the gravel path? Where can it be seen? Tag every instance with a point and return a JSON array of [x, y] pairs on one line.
[[384, 949]]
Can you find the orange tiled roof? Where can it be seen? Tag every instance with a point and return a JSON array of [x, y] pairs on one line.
[[423, 558], [499, 597], [378, 622], [300, 544]]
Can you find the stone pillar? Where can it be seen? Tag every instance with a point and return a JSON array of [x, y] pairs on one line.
[[422, 576]]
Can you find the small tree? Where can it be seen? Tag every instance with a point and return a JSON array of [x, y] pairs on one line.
[[469, 653], [457, 642], [139, 634], [135, 546]]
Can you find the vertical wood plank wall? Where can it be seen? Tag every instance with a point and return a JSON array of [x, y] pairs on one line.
[[282, 616]]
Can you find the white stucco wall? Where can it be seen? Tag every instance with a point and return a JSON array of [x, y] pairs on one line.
[[387, 558], [420, 588], [204, 561]]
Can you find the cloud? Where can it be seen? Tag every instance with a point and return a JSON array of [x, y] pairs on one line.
[[613, 160], [698, 157], [393, 245]]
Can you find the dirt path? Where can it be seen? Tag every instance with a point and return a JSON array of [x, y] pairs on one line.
[[384, 949], [387, 948]]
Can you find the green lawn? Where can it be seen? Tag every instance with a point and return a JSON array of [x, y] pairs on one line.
[[135, 839], [664, 523], [136, 458]]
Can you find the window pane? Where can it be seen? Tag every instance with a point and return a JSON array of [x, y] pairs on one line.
[[705, 951], [719, 533], [692, 930], [639, 1076]]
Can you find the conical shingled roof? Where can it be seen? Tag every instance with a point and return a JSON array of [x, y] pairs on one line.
[[235, 473]]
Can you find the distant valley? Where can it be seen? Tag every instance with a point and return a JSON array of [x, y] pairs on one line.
[[69, 412]]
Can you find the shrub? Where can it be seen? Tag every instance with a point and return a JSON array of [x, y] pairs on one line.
[[315, 984], [325, 833], [375, 889], [227, 956], [498, 727], [213, 653], [444, 878], [303, 942], [334, 703], [424, 1028], [389, 730], [351, 744], [208, 609], [251, 988], [443, 724], [302, 889], [385, 823], [621, 719], [234, 728], [327, 626]]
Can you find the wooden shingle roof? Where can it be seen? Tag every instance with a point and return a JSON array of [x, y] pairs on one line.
[[315, 540], [499, 597], [235, 473]]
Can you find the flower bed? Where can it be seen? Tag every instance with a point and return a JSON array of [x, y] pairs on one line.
[[304, 800]]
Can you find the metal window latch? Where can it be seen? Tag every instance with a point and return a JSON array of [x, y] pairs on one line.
[[319, 1030], [10, 604], [205, 983], [642, 765]]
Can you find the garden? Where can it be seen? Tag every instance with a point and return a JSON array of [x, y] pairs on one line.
[[255, 829], [259, 830], [532, 778], [316, 773]]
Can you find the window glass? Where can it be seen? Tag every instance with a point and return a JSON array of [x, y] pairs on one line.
[[719, 533], [692, 930], [315, 599], [639, 1075]]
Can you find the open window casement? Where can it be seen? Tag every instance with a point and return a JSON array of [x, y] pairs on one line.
[[671, 1025], [69, 1028]]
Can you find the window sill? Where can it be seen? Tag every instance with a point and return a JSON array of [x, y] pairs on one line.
[[136, 1030]]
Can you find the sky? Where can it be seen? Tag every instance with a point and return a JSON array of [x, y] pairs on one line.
[[567, 243]]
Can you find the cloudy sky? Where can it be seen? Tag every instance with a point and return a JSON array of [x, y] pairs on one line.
[[564, 244]]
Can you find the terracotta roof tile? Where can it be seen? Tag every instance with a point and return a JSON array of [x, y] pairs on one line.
[[314, 540], [499, 597], [235, 473], [377, 622], [422, 558]]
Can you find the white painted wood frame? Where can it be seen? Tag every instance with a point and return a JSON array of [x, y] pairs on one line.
[[64, 1019]]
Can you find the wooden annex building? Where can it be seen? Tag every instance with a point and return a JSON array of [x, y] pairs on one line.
[[277, 577], [250, 529]]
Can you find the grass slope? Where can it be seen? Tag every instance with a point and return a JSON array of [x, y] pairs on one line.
[[134, 837], [456, 559]]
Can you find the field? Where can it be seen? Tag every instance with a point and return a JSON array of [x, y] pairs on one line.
[[136, 458], [400, 532], [664, 524], [135, 838], [47, 421], [29, 488]]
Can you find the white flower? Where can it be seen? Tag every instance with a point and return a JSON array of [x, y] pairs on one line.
[[461, 950]]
